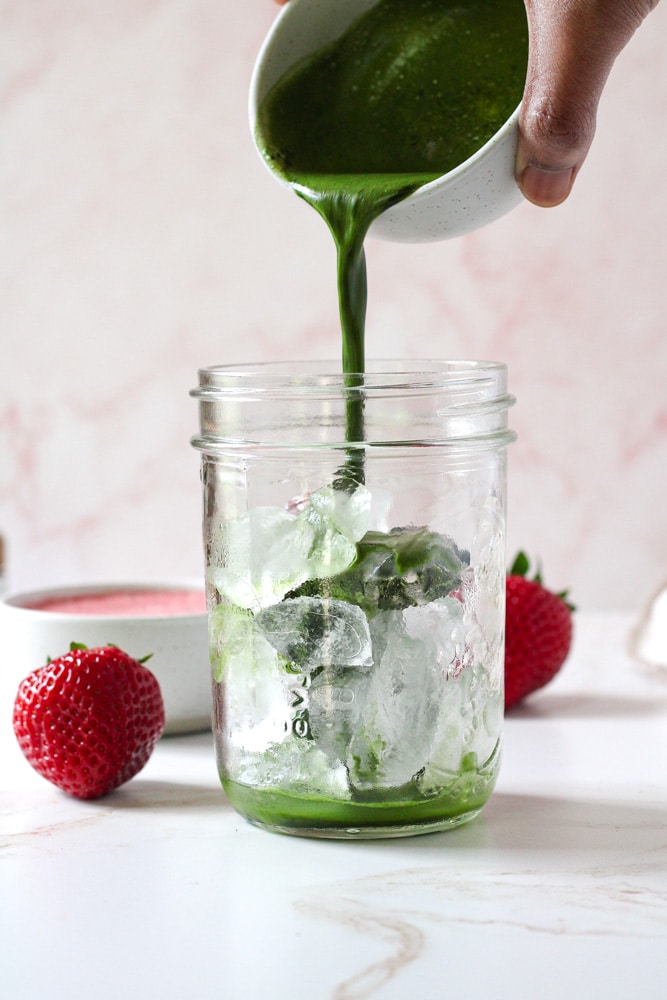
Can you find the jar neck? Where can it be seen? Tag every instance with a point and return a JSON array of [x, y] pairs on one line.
[[460, 404]]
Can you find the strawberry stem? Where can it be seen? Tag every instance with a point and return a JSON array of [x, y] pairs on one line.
[[520, 565]]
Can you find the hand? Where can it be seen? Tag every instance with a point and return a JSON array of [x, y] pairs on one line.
[[573, 45]]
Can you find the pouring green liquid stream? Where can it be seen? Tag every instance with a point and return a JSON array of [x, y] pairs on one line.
[[408, 92]]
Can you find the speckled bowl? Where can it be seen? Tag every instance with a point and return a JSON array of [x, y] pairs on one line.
[[171, 630], [473, 194]]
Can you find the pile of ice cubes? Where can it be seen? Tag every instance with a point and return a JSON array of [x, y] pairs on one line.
[[334, 696]]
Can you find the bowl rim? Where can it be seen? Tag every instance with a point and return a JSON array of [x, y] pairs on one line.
[[20, 600]]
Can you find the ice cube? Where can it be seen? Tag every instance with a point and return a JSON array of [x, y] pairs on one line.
[[272, 550], [292, 765], [312, 632], [330, 554], [439, 625], [401, 707], [264, 555], [339, 519], [230, 635], [335, 702], [471, 710], [255, 703], [404, 567], [341, 510]]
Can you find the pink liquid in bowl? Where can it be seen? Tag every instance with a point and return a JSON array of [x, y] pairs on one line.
[[127, 603]]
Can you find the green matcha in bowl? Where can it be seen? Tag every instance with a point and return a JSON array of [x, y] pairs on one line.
[[406, 111]]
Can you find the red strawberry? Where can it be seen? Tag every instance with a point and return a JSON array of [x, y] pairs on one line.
[[89, 720], [538, 633]]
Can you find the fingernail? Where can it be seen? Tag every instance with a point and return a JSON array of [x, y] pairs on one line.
[[546, 187]]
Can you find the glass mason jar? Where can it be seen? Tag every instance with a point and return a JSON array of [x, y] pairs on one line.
[[354, 536]]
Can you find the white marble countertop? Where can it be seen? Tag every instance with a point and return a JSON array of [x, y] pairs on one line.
[[559, 888]]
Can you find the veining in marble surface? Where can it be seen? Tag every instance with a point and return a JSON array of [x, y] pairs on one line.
[[561, 880], [588, 872], [142, 238], [584, 904]]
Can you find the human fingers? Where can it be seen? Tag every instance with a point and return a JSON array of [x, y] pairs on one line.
[[573, 45]]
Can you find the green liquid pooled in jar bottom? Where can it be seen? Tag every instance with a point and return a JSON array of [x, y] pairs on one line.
[[388, 812]]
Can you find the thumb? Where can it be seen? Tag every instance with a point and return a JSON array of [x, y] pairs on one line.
[[573, 45]]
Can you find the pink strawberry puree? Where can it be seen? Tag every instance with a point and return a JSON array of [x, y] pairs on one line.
[[127, 603]]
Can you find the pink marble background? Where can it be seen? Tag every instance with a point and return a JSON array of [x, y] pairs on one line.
[[142, 238]]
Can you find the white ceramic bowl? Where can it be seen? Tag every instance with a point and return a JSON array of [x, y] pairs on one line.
[[475, 193], [178, 642]]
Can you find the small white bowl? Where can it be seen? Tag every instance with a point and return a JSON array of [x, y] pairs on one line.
[[473, 194], [31, 633]]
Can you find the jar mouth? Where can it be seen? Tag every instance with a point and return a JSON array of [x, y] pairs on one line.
[[306, 404], [322, 378]]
